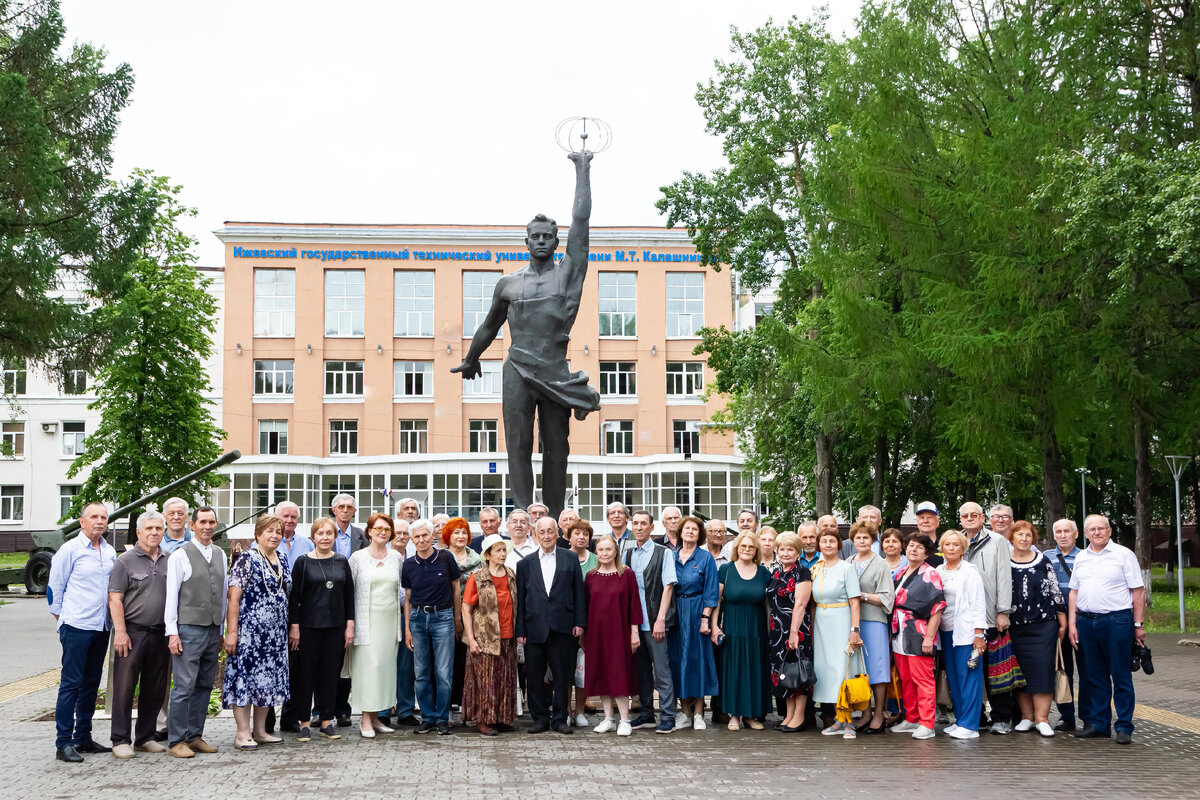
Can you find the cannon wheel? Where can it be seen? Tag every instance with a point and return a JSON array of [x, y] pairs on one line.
[[37, 573]]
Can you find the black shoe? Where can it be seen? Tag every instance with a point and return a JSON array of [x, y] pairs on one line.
[[867, 730], [91, 746], [788, 728], [425, 727], [1124, 737], [343, 721], [564, 729], [290, 727], [1065, 725], [642, 721], [1089, 732], [500, 726], [720, 719], [407, 722], [1144, 657], [68, 754], [443, 729], [540, 727], [160, 736]]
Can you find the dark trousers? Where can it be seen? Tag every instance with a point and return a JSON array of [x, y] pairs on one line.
[[294, 709], [342, 702], [82, 663], [147, 668], [460, 673], [715, 703], [1105, 644], [319, 662], [654, 672], [558, 653], [1067, 710], [1001, 702]]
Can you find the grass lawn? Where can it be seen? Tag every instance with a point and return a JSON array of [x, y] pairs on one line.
[[13, 559], [1163, 617]]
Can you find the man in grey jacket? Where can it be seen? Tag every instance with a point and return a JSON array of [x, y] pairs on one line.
[[990, 553]]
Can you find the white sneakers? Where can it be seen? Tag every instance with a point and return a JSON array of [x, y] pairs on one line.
[[624, 728], [682, 720], [923, 733], [1023, 726], [581, 721], [905, 727], [1044, 729], [608, 724], [962, 733], [698, 722], [950, 729]]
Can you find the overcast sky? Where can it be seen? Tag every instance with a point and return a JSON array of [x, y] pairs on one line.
[[390, 112]]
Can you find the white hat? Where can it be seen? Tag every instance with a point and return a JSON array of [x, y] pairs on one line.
[[489, 541], [927, 506]]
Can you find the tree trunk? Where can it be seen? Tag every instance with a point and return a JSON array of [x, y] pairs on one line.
[[881, 469], [824, 473], [1054, 505], [1142, 544], [893, 500]]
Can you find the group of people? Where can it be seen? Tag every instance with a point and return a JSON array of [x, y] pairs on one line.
[[414, 614]]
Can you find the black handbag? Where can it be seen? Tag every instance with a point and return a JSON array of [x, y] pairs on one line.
[[797, 673]]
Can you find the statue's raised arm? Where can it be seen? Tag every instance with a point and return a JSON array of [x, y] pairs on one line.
[[577, 238]]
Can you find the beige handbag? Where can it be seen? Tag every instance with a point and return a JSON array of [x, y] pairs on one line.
[[1062, 684]]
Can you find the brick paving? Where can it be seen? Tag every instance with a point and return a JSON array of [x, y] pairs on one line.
[[1162, 762]]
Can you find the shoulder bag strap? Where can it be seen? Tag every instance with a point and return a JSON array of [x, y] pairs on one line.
[[1063, 561]]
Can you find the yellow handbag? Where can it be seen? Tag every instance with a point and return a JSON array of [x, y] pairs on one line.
[[855, 692]]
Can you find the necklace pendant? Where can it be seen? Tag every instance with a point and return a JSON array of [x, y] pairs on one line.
[[328, 584]]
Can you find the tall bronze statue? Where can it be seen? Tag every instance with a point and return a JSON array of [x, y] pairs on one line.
[[540, 303]]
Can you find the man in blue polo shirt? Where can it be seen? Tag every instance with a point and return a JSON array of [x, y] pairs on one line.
[[1062, 558], [432, 623]]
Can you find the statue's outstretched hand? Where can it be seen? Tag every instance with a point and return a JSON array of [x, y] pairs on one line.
[[581, 158], [469, 369]]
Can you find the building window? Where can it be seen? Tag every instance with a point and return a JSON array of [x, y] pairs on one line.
[[343, 437], [488, 383], [761, 311], [618, 378], [274, 377], [12, 441], [478, 288], [618, 437], [12, 503], [413, 379], [685, 304], [74, 381], [414, 436], [72, 438], [618, 304], [483, 436], [275, 302], [14, 377], [685, 378], [272, 437], [67, 493], [344, 302], [343, 378], [686, 435], [414, 303]]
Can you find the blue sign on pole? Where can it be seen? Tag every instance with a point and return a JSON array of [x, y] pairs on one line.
[[492, 467]]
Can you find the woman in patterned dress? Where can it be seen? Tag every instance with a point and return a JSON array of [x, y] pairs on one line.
[[789, 634], [1038, 624], [916, 621], [256, 634]]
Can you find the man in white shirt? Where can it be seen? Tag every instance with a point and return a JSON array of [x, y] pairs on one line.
[[618, 519], [1105, 614], [292, 546], [518, 532], [194, 612], [78, 596]]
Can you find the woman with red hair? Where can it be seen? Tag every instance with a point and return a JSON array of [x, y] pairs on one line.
[[456, 536]]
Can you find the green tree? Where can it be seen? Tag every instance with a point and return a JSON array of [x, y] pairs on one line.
[[60, 217], [155, 422]]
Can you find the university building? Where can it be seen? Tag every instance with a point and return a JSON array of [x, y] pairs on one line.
[[338, 345]]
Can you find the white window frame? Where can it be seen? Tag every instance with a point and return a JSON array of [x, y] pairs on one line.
[[620, 309], [72, 440], [618, 379], [277, 428], [275, 310], [275, 372], [13, 378], [345, 303], [347, 381], [618, 437], [67, 492], [412, 374], [74, 378], [682, 375], [12, 503], [685, 315], [412, 303], [13, 439], [489, 383], [478, 288], [483, 436], [414, 436], [343, 437], [685, 427]]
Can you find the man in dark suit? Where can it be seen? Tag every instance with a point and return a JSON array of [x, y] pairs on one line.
[[551, 616], [349, 539]]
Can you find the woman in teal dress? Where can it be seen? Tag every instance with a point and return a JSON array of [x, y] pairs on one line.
[[742, 619], [835, 625]]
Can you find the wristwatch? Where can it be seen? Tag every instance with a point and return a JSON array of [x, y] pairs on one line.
[[854, 629], [1137, 624]]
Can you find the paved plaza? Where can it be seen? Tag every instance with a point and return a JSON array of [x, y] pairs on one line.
[[1164, 760]]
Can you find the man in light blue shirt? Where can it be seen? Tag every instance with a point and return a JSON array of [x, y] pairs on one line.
[[1062, 558], [654, 567], [350, 539], [292, 546], [175, 512], [78, 597]]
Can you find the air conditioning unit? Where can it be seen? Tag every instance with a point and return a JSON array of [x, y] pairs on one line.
[[49, 427]]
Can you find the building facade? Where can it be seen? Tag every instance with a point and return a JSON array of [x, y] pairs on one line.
[[338, 345]]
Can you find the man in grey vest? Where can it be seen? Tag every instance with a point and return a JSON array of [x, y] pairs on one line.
[[654, 567], [194, 614]]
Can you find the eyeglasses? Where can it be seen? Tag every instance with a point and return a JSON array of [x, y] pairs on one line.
[[970, 515], [383, 528], [1001, 516]]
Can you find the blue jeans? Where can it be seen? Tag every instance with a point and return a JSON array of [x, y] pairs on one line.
[[966, 684], [1105, 645], [433, 660], [82, 662], [405, 682]]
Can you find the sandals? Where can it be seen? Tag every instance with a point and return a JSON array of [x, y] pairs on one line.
[[734, 725]]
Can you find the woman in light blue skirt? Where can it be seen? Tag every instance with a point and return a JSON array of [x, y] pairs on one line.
[[878, 595]]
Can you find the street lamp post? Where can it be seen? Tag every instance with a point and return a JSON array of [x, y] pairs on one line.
[[1083, 473], [998, 481], [1176, 464]]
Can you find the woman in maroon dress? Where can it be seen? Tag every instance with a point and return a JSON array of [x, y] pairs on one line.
[[614, 614]]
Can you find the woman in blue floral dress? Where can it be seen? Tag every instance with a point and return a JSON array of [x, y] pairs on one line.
[[256, 628], [789, 635]]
